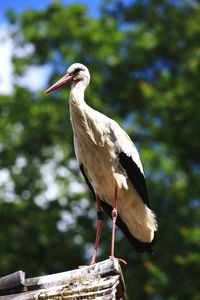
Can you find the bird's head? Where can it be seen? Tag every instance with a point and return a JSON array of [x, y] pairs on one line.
[[75, 73]]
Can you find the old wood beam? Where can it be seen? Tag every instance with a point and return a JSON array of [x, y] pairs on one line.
[[101, 281]]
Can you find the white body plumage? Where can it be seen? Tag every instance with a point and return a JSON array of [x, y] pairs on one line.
[[98, 140], [110, 161]]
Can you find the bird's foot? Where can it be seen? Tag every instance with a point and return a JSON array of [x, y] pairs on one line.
[[119, 259], [82, 266], [92, 262]]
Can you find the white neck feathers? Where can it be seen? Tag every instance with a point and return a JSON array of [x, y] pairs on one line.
[[77, 93]]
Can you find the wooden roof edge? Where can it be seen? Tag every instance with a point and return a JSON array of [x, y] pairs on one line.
[[106, 288], [12, 280], [16, 282], [109, 266]]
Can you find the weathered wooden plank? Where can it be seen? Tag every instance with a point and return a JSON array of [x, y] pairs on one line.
[[106, 267], [101, 281], [14, 281], [80, 292], [87, 289]]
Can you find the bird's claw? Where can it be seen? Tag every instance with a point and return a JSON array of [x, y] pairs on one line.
[[92, 262], [120, 260], [82, 266]]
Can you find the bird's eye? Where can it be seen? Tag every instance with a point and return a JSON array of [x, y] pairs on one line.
[[77, 70]]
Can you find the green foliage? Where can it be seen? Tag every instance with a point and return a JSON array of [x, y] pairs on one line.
[[144, 62]]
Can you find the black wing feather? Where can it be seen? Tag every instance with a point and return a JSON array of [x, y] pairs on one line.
[[138, 245], [135, 176]]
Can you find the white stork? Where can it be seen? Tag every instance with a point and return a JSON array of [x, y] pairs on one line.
[[111, 166]]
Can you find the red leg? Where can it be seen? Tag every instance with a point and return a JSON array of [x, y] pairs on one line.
[[100, 220], [114, 219]]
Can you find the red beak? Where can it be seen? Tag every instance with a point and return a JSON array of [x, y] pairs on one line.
[[64, 80]]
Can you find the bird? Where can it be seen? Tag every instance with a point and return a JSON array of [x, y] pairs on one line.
[[111, 167]]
